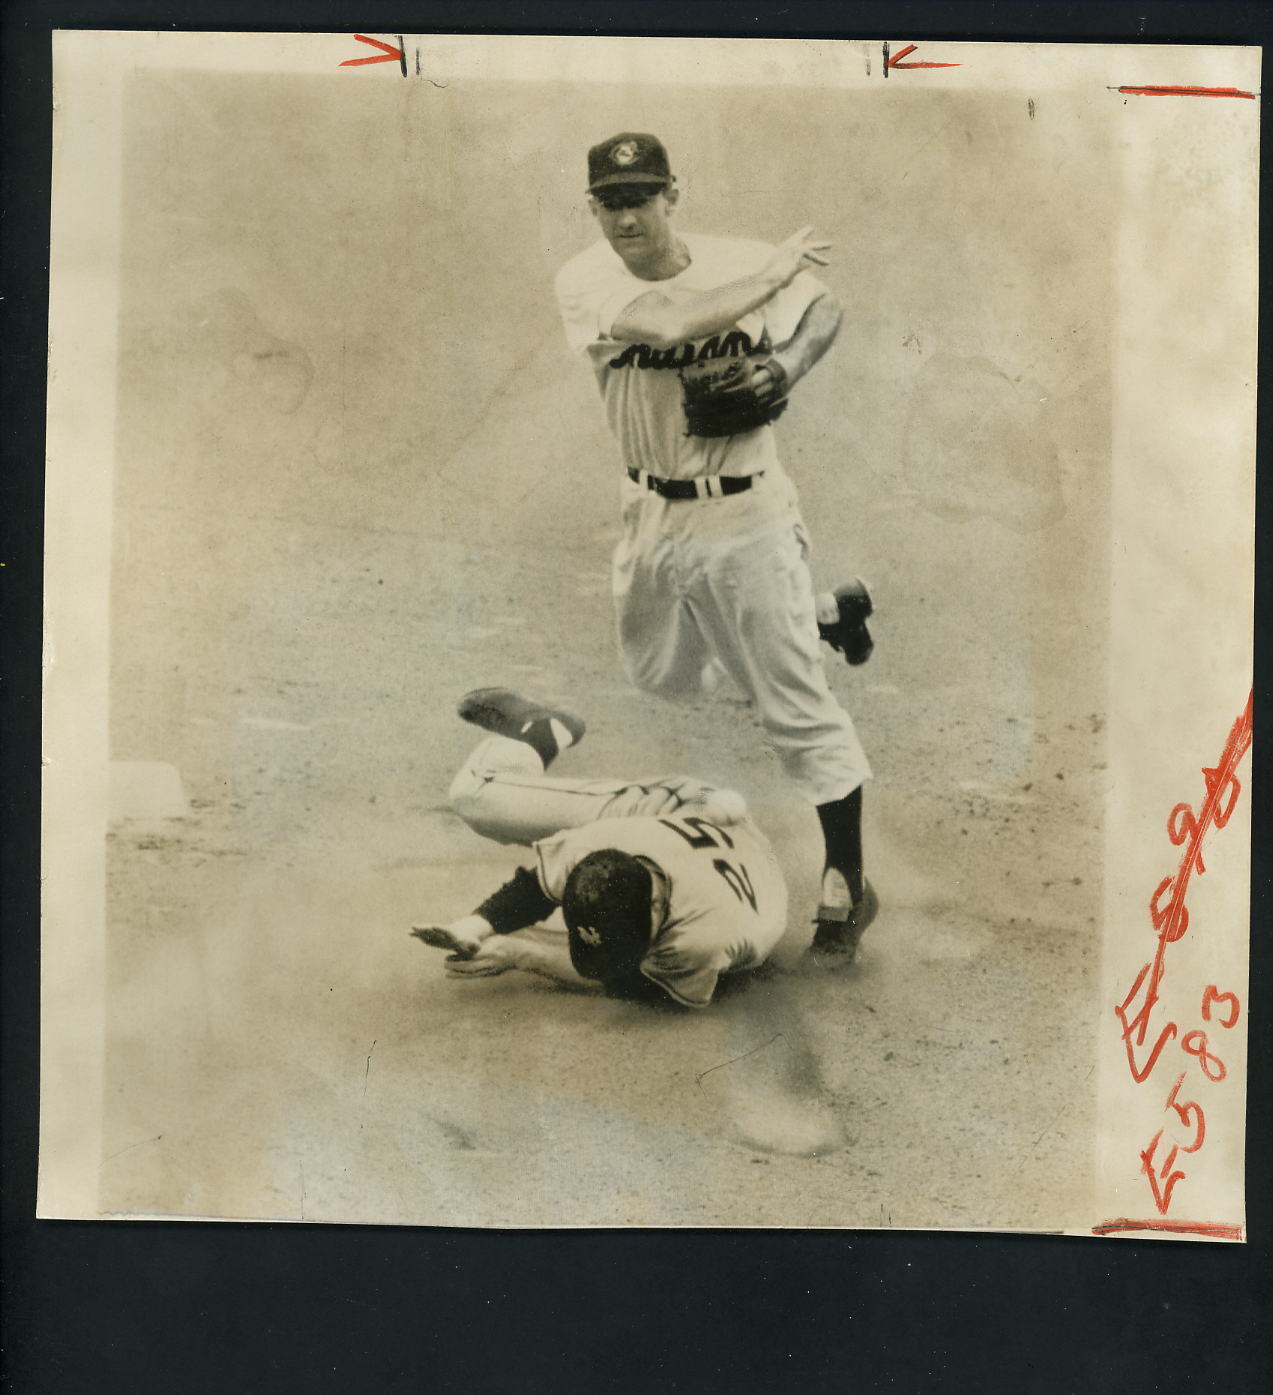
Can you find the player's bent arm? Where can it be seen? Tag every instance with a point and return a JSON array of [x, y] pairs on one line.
[[662, 319], [814, 335]]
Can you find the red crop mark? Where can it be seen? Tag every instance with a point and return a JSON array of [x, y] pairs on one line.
[[1217, 1230], [389, 54], [896, 60], [1184, 92]]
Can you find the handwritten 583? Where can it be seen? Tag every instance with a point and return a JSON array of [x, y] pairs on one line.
[[1161, 1172]]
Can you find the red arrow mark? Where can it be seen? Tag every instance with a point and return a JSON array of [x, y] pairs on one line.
[[896, 60], [1186, 92], [388, 55]]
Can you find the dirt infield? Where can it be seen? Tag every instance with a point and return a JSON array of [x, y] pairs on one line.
[[358, 474]]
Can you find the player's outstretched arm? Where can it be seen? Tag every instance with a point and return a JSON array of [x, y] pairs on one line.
[[518, 903], [461, 937], [665, 318], [514, 952]]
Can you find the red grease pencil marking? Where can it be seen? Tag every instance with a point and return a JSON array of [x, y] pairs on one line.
[[1186, 1132], [896, 60], [1171, 921], [388, 55], [1218, 1230], [1181, 91]]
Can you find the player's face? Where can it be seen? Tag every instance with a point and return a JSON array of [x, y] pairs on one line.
[[636, 224]]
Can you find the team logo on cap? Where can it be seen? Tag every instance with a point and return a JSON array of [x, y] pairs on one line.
[[589, 936], [624, 153]]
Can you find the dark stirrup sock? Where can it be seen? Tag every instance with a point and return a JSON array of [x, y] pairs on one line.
[[842, 831]]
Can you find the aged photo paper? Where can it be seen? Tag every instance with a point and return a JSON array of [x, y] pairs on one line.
[[322, 460]]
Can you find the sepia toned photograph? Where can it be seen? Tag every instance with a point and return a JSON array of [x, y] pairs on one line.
[[607, 653]]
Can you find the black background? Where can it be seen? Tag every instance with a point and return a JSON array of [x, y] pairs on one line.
[[143, 1307]]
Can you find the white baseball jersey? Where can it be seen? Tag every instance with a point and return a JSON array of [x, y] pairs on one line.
[[641, 386], [727, 901]]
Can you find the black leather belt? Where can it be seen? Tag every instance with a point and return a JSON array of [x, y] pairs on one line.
[[704, 487]]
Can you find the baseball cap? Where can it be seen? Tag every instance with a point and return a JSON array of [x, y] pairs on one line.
[[631, 157], [606, 904]]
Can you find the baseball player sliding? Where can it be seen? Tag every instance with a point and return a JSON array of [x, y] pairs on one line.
[[696, 343], [664, 884]]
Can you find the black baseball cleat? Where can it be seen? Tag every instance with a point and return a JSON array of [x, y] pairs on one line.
[[839, 930], [508, 713], [848, 635]]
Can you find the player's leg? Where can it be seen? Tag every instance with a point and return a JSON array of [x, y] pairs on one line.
[[502, 791], [661, 645], [820, 751], [547, 730], [758, 608]]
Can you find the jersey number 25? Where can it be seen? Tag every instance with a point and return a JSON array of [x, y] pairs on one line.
[[713, 838]]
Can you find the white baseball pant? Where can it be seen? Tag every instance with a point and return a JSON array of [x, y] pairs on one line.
[[502, 793], [705, 586]]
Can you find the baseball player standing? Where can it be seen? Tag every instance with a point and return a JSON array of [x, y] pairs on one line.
[[665, 884], [696, 343]]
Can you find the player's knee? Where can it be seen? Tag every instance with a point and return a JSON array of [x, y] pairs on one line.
[[671, 685], [792, 730], [464, 795]]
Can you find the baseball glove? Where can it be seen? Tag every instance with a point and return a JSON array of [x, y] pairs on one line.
[[848, 634], [725, 396]]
